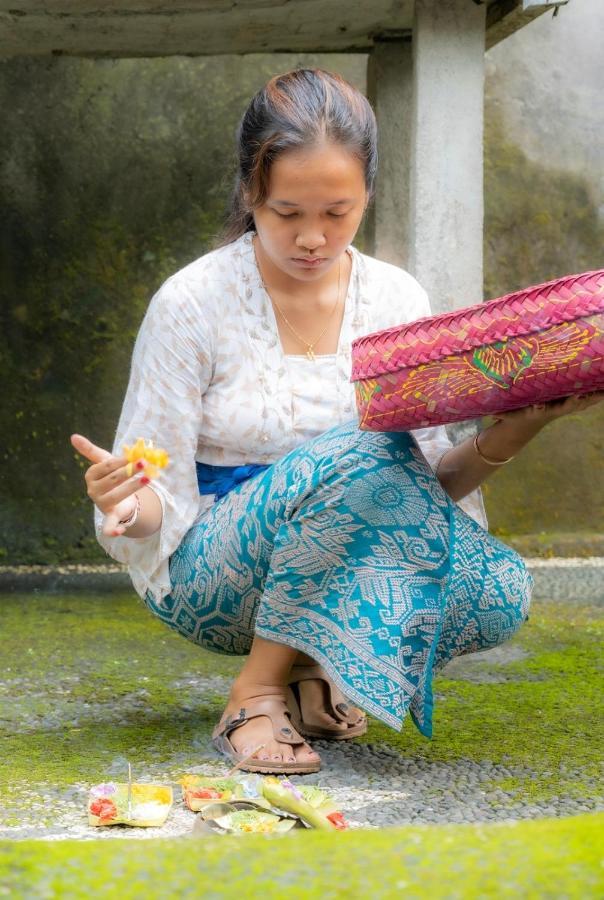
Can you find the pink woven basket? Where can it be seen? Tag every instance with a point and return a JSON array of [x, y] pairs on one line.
[[535, 345]]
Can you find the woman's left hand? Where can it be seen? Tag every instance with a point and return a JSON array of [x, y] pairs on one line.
[[535, 417]]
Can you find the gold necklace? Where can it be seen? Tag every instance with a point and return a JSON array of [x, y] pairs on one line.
[[309, 351]]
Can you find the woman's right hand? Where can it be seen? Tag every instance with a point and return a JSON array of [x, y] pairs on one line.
[[108, 484]]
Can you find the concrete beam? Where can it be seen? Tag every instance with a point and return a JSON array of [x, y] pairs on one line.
[[209, 27], [197, 27], [389, 89], [504, 17], [446, 194]]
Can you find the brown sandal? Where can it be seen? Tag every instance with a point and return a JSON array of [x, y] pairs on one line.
[[283, 730], [336, 706]]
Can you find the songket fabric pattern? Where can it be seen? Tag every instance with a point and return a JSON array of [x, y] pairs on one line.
[[349, 549]]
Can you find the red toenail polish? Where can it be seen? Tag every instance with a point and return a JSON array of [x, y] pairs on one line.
[[140, 464], [145, 480]]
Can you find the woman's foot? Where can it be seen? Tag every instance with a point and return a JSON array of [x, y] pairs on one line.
[[247, 738], [315, 702]]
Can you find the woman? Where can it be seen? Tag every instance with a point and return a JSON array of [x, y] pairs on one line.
[[338, 560]]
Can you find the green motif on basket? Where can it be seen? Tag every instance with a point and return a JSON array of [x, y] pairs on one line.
[[503, 364]]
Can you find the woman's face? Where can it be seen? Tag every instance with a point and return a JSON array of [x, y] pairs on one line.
[[315, 203]]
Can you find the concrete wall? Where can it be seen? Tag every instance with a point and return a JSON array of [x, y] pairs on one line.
[[114, 174]]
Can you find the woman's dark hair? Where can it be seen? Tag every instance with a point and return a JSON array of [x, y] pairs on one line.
[[293, 111]]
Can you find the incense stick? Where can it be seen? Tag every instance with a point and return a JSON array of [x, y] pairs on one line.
[[129, 791], [244, 760]]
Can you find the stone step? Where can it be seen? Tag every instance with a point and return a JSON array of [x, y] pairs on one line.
[[558, 578]]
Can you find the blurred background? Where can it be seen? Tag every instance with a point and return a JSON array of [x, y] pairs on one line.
[[115, 173]]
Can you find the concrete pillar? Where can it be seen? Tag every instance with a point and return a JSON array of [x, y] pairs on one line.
[[446, 178], [389, 90]]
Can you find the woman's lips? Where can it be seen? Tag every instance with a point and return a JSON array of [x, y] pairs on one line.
[[309, 263]]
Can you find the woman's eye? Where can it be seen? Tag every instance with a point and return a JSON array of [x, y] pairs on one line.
[[291, 215]]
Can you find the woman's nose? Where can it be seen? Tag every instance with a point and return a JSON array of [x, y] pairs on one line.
[[311, 240]]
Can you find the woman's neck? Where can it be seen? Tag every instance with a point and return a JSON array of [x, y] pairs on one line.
[[297, 294]]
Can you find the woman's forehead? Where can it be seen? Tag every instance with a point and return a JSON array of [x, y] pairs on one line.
[[331, 174]]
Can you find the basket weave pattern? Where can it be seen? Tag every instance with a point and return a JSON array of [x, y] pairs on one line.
[[531, 346]]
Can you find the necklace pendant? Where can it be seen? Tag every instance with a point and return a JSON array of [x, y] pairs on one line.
[[310, 354]]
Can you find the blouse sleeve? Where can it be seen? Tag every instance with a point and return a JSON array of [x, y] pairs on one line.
[[170, 371], [434, 441]]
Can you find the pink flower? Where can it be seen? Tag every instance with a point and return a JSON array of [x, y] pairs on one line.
[[104, 809], [103, 790]]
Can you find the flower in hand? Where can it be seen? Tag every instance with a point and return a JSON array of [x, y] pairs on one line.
[[155, 457]]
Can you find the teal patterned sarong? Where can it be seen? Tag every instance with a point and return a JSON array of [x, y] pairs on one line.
[[349, 549]]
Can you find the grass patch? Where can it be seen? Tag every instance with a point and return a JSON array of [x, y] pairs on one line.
[[541, 859], [548, 724], [87, 679], [92, 680]]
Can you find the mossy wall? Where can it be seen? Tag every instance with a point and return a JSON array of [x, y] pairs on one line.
[[542, 223], [113, 174]]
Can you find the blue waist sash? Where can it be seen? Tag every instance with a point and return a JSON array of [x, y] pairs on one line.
[[220, 480]]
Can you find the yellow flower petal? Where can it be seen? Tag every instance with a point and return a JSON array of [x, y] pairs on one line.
[[156, 457]]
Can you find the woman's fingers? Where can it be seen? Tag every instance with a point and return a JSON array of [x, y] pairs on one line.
[[110, 486], [112, 473], [106, 500], [547, 411], [88, 449], [111, 522], [575, 403], [593, 398]]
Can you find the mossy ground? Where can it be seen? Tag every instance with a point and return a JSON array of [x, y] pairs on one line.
[[544, 859], [90, 681], [543, 714]]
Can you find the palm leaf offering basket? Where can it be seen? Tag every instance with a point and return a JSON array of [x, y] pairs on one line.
[[539, 344]]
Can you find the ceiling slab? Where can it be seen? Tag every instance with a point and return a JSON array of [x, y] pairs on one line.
[[211, 27]]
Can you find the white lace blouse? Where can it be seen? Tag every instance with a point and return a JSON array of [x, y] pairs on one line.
[[209, 382]]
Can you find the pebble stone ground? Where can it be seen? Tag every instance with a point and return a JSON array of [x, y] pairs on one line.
[[557, 578], [375, 786]]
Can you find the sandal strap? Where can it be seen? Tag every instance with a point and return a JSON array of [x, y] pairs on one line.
[[341, 709], [275, 710]]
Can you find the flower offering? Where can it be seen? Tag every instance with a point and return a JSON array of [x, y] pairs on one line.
[[143, 805], [155, 457], [308, 802], [198, 791]]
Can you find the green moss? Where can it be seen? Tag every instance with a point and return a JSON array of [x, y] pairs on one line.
[[545, 859], [110, 652], [82, 252], [145, 703], [542, 717], [547, 544]]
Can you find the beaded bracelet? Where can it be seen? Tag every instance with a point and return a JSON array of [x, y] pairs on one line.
[[489, 462], [129, 522]]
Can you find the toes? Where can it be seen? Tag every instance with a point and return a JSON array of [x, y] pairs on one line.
[[307, 754], [359, 714]]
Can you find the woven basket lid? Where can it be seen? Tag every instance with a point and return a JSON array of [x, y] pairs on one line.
[[520, 313]]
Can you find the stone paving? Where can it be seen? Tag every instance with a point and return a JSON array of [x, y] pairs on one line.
[[556, 578], [101, 693]]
